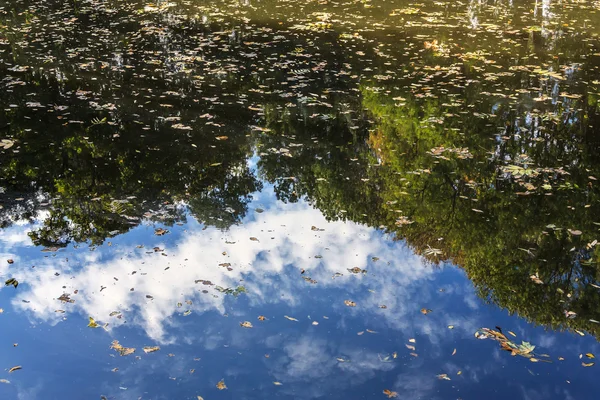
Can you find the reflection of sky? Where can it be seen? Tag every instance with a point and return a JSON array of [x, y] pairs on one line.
[[332, 351]]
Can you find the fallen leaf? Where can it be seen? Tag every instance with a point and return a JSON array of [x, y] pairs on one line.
[[454, 352], [151, 349], [123, 351], [160, 231], [590, 355], [246, 324], [18, 367], [410, 347], [221, 385], [425, 311], [587, 364], [443, 377], [93, 324], [261, 318], [290, 318], [389, 393], [277, 383], [349, 303]]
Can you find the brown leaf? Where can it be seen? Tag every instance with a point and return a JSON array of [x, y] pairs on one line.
[[246, 324], [349, 303], [123, 351], [425, 311], [221, 385], [389, 393], [261, 318], [151, 349], [18, 367]]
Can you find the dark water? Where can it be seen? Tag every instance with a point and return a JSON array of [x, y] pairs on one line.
[[299, 199]]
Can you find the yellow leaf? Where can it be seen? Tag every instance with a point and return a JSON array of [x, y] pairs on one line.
[[18, 367], [93, 323], [590, 355], [587, 364], [221, 385]]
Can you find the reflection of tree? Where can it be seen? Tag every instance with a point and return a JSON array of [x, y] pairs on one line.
[[466, 164], [501, 194]]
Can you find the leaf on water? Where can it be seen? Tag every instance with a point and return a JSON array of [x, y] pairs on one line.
[[290, 318], [123, 351], [4, 381], [222, 137], [277, 383], [443, 377], [221, 385], [160, 231], [574, 232], [93, 324], [450, 326], [526, 347], [389, 393], [579, 333], [536, 279], [246, 324], [254, 239], [261, 318], [587, 364], [349, 303], [13, 369], [12, 281], [425, 311], [410, 347], [512, 333], [454, 352], [151, 349], [590, 355], [411, 340], [187, 312]]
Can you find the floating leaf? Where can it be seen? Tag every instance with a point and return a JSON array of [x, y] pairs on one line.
[[93, 323], [123, 351], [151, 349], [349, 303], [425, 311], [246, 324], [587, 364], [443, 377], [221, 385], [13, 282], [13, 369], [389, 393], [290, 318]]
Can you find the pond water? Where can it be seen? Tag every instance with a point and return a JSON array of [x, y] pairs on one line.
[[299, 199]]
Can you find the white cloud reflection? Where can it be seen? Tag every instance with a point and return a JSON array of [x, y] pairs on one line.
[[268, 268]]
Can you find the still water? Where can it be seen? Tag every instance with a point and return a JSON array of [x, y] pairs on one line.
[[299, 199]]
